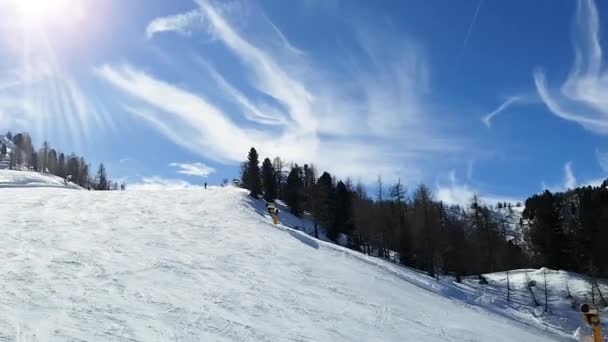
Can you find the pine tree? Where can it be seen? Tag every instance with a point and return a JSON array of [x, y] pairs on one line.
[[34, 161], [3, 150], [379, 196], [425, 224], [73, 168], [52, 162], [84, 174], [24, 143], [309, 183], [343, 216], [546, 234], [403, 234], [323, 208], [252, 175], [102, 182], [294, 190], [43, 155], [61, 167], [278, 166], [9, 136], [269, 181]]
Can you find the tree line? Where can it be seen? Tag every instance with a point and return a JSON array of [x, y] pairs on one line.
[[415, 230], [569, 230], [48, 160]]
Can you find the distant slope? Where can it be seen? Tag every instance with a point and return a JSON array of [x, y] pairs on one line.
[[31, 179], [208, 265], [565, 292]]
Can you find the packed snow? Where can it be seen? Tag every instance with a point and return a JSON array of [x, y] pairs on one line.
[[32, 179], [208, 265]]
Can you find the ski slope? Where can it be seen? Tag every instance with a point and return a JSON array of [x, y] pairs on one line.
[[207, 265]]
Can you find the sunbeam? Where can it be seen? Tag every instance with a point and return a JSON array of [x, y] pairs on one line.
[[40, 13], [41, 90]]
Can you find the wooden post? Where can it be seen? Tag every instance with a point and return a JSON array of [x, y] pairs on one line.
[[508, 288], [546, 293]]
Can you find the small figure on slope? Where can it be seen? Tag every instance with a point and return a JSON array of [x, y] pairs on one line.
[[273, 211]]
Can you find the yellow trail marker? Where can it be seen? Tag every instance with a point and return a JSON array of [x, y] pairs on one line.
[[592, 317], [274, 212]]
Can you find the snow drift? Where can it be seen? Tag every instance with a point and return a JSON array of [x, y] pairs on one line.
[[32, 179]]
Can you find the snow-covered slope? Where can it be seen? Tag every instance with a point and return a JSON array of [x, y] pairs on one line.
[[207, 265], [31, 179], [565, 292]]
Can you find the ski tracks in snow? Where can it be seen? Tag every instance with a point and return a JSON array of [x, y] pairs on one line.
[[193, 265]]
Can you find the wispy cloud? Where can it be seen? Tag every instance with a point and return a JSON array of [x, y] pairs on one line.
[[570, 181], [160, 183], [298, 109], [456, 192], [582, 97], [602, 159], [470, 168], [184, 23], [194, 169], [569, 178], [487, 119], [253, 112], [181, 114]]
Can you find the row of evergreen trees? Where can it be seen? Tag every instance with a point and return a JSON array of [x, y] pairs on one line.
[[329, 202], [418, 231], [569, 230], [564, 230], [47, 159]]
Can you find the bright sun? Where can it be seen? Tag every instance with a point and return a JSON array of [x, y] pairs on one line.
[[41, 12]]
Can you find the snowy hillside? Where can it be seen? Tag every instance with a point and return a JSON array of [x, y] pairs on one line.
[[207, 265], [565, 292], [31, 179]]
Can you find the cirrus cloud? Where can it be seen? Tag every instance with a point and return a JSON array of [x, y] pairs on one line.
[[160, 183], [582, 97], [194, 169], [292, 105]]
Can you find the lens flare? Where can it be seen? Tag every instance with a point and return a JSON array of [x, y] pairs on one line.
[[41, 12], [39, 91]]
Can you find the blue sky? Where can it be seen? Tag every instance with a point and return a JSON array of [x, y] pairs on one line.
[[502, 98]]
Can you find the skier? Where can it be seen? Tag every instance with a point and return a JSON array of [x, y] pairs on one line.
[[273, 211], [205, 185]]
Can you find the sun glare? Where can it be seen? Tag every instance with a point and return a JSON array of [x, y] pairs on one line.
[[42, 12]]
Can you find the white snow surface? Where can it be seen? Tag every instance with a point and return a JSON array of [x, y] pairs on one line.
[[208, 265], [31, 179]]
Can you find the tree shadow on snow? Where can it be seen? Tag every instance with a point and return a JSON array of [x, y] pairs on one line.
[[305, 239]]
